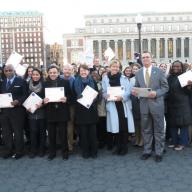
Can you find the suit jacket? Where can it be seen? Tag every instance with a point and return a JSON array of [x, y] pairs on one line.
[[158, 83], [18, 89]]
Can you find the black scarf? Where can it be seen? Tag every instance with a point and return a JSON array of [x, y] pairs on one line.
[[114, 80]]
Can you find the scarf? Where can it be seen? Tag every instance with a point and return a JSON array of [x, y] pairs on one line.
[[35, 86], [114, 80], [80, 83]]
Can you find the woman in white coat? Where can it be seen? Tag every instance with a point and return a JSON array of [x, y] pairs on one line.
[[119, 111]]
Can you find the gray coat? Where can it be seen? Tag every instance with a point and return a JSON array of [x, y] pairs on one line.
[[158, 83]]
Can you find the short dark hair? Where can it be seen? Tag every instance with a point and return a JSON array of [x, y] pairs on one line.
[[52, 66], [147, 52]]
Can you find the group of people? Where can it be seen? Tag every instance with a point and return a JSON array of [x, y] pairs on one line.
[[165, 114]]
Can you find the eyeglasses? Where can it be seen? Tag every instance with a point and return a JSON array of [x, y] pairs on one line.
[[8, 70]]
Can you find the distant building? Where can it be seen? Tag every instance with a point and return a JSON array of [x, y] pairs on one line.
[[167, 35], [22, 32]]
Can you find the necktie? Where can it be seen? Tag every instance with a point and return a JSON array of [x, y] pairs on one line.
[[147, 77], [8, 84]]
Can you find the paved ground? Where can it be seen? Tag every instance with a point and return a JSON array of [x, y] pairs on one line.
[[107, 173]]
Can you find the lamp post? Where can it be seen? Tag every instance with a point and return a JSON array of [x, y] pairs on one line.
[[139, 20]]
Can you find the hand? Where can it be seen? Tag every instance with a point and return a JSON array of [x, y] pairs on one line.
[[29, 110], [46, 100], [63, 99], [152, 94], [38, 105], [189, 82], [118, 98], [133, 92], [15, 103]]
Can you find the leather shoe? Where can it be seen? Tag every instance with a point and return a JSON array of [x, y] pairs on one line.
[[65, 156], [51, 156], [17, 156], [158, 158], [145, 156], [7, 155]]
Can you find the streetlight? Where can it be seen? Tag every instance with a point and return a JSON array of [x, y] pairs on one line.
[[139, 20]]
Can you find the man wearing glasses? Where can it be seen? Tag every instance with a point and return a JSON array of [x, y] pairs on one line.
[[13, 118], [152, 107]]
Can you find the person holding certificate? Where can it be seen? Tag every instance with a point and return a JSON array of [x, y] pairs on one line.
[[37, 119], [86, 118], [13, 118], [178, 108], [57, 112], [119, 113], [152, 106]]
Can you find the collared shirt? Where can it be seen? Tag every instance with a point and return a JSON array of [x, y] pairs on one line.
[[11, 80], [149, 71]]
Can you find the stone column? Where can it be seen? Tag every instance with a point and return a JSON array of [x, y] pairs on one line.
[[166, 49], [182, 49], [132, 49], [149, 44], [174, 49], [100, 51], [157, 49], [190, 49], [124, 51], [116, 48]]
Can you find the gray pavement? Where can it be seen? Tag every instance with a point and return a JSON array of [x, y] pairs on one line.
[[107, 173]]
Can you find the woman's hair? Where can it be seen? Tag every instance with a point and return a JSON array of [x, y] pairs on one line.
[[39, 71], [136, 65], [116, 61], [182, 66], [83, 66], [26, 73], [53, 66]]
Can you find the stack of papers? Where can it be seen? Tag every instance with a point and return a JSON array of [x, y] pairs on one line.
[[88, 95], [54, 94], [5, 100], [114, 92], [32, 101], [142, 92], [185, 77]]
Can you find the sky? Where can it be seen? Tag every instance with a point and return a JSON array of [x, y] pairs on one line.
[[64, 16]]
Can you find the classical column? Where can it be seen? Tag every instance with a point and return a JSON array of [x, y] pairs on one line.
[[157, 49], [166, 49], [149, 44], [190, 49], [132, 49], [182, 49], [124, 51], [65, 59], [174, 48], [100, 50], [107, 41], [116, 48]]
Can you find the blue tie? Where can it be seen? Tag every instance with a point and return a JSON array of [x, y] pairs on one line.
[[8, 84]]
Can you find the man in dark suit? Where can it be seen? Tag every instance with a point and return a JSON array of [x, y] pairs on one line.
[[13, 118], [152, 107]]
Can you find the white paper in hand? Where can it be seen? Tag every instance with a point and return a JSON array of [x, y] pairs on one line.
[[114, 92], [88, 95], [20, 70], [54, 94], [32, 101], [109, 54], [14, 59], [5, 100], [185, 77]]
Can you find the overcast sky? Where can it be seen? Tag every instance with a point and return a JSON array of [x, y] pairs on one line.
[[63, 16]]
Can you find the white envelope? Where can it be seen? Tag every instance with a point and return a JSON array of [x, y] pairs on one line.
[[185, 77], [14, 59], [54, 94], [142, 92], [5, 100], [109, 54], [32, 101], [113, 92], [88, 95]]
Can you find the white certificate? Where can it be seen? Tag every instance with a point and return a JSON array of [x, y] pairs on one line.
[[185, 77], [109, 54], [54, 94], [14, 59], [88, 95], [5, 100], [114, 92], [32, 101], [142, 92], [21, 69]]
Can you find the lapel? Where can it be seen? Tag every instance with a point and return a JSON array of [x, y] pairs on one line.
[[142, 80], [12, 85], [153, 75]]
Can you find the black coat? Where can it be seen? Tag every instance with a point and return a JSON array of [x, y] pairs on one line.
[[57, 112], [178, 104], [85, 116]]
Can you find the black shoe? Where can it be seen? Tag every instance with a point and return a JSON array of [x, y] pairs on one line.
[[116, 151], [85, 156], [158, 158], [65, 156], [41, 153], [32, 155], [51, 156], [94, 156], [7, 155], [17, 156], [123, 151], [145, 156]]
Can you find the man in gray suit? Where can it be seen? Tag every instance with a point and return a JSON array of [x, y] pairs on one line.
[[152, 107]]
